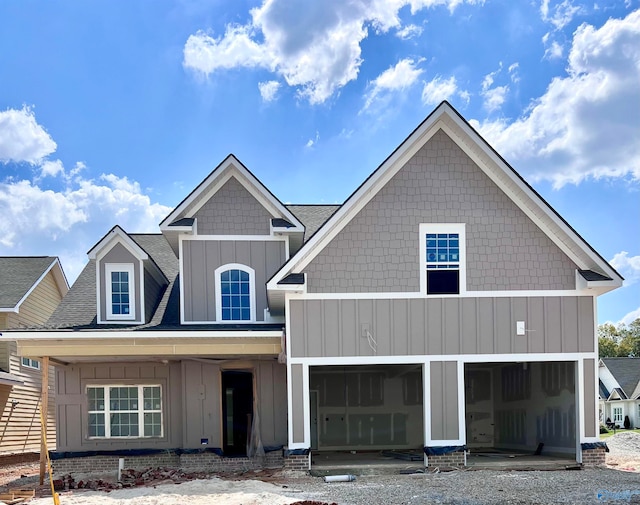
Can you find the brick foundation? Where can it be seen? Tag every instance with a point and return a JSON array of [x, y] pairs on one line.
[[297, 462], [449, 459], [203, 461], [593, 457]]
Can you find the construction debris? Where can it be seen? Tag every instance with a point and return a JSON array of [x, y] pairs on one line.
[[14, 496]]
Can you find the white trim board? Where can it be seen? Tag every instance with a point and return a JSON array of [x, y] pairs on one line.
[[62, 335]]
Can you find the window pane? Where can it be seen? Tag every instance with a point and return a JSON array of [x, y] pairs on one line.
[[235, 295]]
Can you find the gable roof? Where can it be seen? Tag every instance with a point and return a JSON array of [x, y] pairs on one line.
[[627, 372], [20, 275], [78, 308], [229, 167], [447, 119]]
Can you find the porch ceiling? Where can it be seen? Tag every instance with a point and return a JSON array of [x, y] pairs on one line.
[[135, 349]]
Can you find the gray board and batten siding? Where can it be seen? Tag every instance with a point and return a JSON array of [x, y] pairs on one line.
[[202, 257], [232, 210], [378, 250], [119, 254], [441, 326], [191, 403]]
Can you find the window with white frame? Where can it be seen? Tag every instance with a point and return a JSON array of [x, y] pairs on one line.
[[124, 411], [120, 284], [617, 414], [235, 293], [31, 363], [442, 258]]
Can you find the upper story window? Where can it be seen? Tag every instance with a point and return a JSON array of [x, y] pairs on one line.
[[120, 291], [235, 293], [442, 259]]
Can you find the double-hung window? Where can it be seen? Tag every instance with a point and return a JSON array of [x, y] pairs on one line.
[[617, 414], [125, 411], [442, 259], [235, 293], [120, 285]]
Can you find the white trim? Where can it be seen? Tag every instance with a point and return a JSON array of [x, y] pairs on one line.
[[252, 292], [306, 410], [460, 229], [462, 405], [443, 443], [118, 235], [16, 309], [231, 167], [129, 268], [181, 274], [426, 397], [62, 335], [421, 358], [237, 238], [580, 398], [416, 294]]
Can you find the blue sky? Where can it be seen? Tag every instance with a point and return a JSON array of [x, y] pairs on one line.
[[112, 111]]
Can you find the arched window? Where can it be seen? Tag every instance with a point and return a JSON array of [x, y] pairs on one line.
[[235, 293]]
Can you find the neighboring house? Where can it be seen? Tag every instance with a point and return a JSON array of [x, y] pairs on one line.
[[620, 390], [30, 290], [444, 305]]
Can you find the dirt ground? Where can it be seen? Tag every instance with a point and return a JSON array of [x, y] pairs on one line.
[[257, 488]]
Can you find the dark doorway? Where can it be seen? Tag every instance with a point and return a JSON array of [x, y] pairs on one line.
[[237, 411]]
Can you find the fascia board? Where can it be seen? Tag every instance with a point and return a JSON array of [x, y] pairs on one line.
[[53, 264], [116, 234], [229, 167], [61, 335]]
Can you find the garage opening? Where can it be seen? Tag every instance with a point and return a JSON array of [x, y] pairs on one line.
[[366, 411], [520, 411]]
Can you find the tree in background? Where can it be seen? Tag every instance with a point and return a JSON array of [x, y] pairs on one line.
[[619, 341]]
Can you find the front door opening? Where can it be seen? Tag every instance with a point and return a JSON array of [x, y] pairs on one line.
[[237, 411]]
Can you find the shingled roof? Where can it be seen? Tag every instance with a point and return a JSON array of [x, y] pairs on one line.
[[78, 309], [18, 274], [312, 216], [627, 372]]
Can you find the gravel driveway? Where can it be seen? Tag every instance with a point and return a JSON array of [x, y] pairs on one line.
[[462, 487]]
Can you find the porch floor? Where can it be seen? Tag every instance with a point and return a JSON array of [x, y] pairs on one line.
[[379, 462]]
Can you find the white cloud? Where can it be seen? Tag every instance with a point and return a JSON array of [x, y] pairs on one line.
[[22, 139], [585, 125], [51, 168], [268, 90], [67, 223], [554, 51], [400, 77], [313, 46], [312, 142], [438, 89], [629, 318], [408, 32], [494, 97], [513, 72], [560, 15], [628, 266]]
